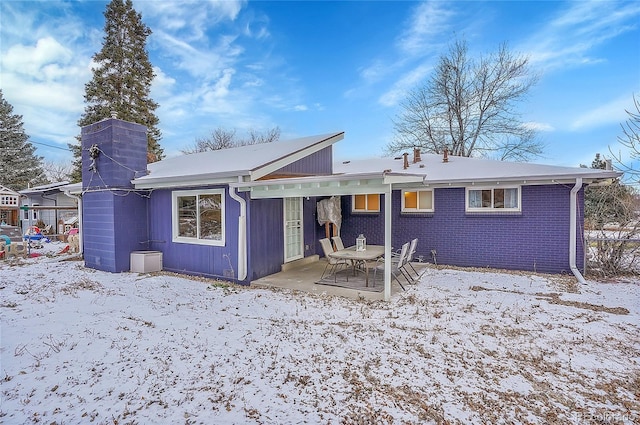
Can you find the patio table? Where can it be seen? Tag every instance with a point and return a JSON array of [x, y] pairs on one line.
[[373, 252]]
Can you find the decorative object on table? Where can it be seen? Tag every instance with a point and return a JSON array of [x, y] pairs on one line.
[[361, 243]]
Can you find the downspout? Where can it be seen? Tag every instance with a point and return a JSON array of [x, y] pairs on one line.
[[242, 234], [573, 221], [80, 232]]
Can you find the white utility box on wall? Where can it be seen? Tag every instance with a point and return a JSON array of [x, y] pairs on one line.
[[146, 261]]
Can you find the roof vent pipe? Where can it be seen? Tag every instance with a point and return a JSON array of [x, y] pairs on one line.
[[406, 160], [416, 155], [445, 157], [608, 166]]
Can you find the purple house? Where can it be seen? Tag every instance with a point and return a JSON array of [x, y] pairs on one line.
[[240, 214]]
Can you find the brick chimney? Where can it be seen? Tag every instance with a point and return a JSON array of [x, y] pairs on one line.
[[416, 155], [405, 160], [445, 157]]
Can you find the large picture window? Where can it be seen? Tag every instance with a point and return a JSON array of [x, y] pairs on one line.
[[417, 201], [365, 203], [493, 199], [198, 217]]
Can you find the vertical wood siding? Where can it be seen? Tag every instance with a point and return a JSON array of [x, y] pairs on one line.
[[266, 236], [319, 163], [113, 226], [199, 260]]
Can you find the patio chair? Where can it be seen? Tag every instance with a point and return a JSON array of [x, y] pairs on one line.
[[398, 267], [337, 242], [410, 254], [335, 263]]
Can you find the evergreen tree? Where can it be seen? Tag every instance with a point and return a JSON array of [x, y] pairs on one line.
[[122, 79], [20, 167]]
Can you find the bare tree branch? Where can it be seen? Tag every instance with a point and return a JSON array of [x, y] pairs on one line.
[[224, 139], [469, 107], [630, 140]]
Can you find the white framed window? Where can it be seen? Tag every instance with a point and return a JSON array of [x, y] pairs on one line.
[[9, 200], [198, 217], [498, 199], [417, 200], [365, 203]]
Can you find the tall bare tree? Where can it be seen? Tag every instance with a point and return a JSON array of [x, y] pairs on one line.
[[469, 107], [57, 171], [222, 139], [630, 140]]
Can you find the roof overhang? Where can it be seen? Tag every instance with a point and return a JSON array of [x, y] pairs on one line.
[[190, 181], [355, 184]]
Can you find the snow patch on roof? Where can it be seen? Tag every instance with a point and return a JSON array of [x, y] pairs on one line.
[[459, 169], [239, 161]]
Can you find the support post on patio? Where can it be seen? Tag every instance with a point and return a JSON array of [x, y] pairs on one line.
[[387, 244]]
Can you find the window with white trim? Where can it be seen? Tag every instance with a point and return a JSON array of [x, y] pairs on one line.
[[493, 199], [198, 217], [365, 203], [417, 201]]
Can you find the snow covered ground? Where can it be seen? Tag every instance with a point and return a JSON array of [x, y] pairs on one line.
[[462, 346]]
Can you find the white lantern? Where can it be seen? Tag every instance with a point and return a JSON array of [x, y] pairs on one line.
[[361, 243]]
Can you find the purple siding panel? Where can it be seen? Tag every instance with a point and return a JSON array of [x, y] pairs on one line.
[[124, 151], [114, 221], [319, 163], [113, 226], [200, 260], [266, 237], [536, 239]]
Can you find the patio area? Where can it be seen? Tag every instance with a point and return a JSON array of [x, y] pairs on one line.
[[302, 275]]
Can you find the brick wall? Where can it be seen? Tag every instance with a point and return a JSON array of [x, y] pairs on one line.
[[537, 239]]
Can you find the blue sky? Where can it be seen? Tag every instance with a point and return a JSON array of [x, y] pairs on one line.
[[317, 67]]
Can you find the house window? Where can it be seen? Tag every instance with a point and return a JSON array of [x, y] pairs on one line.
[[493, 199], [365, 203], [8, 200], [198, 217], [417, 201], [34, 213]]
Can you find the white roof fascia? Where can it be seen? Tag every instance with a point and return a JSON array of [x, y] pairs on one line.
[[267, 169], [188, 181], [524, 180], [334, 188], [337, 184]]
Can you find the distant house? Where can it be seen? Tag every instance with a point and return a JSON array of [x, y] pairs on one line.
[[9, 206], [242, 213], [47, 205]]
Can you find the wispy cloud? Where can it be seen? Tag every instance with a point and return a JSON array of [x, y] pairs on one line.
[[571, 37], [44, 68], [429, 21], [400, 88], [612, 112], [539, 126], [414, 50], [189, 18]]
